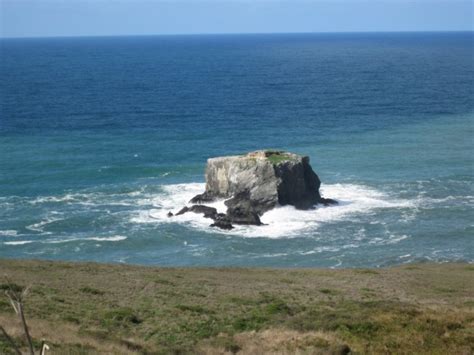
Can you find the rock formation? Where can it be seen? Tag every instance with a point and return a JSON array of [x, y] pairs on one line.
[[255, 183]]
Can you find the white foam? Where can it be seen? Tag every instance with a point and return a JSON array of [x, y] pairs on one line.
[[52, 199], [394, 239], [91, 199], [115, 238], [283, 221], [8, 233], [38, 227], [19, 242]]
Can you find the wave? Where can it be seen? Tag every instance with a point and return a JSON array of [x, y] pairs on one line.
[[53, 199], [39, 227], [95, 198], [22, 242], [8, 233], [282, 221], [115, 238]]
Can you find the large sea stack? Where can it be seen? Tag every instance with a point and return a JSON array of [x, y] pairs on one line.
[[257, 182]]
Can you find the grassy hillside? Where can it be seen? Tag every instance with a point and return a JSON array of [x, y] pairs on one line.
[[87, 308]]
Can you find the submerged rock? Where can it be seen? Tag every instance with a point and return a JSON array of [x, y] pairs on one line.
[[254, 184]]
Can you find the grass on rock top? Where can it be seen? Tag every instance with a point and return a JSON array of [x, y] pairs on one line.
[[273, 156], [277, 158], [89, 308]]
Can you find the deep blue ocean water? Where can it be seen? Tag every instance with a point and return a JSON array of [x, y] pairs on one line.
[[101, 137]]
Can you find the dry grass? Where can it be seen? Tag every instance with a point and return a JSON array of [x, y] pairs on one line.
[[87, 308], [274, 341]]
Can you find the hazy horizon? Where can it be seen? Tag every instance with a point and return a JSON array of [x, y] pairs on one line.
[[233, 34], [84, 18]]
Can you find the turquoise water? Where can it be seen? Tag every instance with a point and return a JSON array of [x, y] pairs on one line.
[[101, 137]]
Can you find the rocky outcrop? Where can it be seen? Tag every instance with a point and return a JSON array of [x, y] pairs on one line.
[[241, 209], [227, 176], [222, 221], [270, 177], [209, 212], [255, 183]]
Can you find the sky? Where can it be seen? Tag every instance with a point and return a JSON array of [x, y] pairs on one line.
[[51, 18]]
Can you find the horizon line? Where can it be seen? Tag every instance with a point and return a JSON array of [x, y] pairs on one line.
[[232, 33]]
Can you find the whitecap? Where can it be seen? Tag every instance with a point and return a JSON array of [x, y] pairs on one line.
[[38, 227], [22, 242], [8, 233], [269, 255], [115, 238], [52, 199], [395, 239]]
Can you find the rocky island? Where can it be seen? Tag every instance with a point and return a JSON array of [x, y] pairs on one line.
[[255, 183]]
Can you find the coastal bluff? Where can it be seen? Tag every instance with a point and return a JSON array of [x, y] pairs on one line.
[[255, 183]]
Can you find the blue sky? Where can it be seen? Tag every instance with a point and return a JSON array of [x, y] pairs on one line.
[[37, 18]]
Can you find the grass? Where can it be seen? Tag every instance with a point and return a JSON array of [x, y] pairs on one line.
[[91, 291], [278, 158], [86, 308]]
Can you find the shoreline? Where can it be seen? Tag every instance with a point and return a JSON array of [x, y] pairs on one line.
[[420, 263], [88, 307]]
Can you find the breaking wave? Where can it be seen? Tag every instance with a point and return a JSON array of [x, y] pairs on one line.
[[115, 238], [283, 221]]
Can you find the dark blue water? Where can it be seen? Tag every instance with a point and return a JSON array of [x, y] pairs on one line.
[[100, 137]]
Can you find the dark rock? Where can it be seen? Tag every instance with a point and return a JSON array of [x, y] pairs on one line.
[[222, 221], [241, 209], [209, 212], [170, 214], [202, 198], [327, 201], [182, 211], [299, 184]]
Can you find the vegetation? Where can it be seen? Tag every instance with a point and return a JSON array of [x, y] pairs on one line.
[[86, 308], [276, 157], [16, 296]]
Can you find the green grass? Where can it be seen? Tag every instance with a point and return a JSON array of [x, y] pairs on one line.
[[129, 309], [276, 159]]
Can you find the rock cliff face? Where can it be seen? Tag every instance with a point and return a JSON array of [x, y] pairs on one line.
[[271, 177], [227, 176], [256, 182]]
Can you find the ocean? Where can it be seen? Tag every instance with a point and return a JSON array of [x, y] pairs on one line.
[[100, 137]]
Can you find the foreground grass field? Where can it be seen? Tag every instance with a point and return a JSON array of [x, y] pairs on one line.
[[86, 308]]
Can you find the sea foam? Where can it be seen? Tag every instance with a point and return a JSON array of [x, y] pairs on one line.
[[282, 221], [114, 238], [8, 233], [22, 242]]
